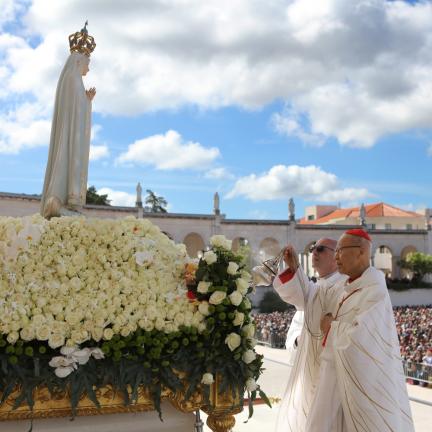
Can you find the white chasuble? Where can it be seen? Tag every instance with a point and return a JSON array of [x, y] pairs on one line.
[[314, 299], [67, 167], [364, 349]]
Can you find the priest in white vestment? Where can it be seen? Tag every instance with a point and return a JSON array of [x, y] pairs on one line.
[[311, 300], [293, 336], [360, 384], [65, 182]]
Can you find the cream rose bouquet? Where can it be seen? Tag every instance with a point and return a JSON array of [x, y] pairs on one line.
[[77, 285], [221, 288], [90, 302]]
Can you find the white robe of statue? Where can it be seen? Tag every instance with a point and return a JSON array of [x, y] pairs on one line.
[[67, 167], [314, 299], [358, 383]]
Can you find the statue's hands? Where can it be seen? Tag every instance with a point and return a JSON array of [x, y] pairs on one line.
[[290, 258], [325, 322], [91, 92]]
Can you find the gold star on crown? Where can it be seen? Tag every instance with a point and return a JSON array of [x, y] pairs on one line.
[[82, 42]]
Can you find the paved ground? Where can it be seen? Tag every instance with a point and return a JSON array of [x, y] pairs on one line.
[[273, 383]]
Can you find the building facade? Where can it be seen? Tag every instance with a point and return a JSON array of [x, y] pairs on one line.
[[265, 238]]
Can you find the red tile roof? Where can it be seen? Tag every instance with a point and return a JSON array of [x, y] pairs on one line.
[[372, 210]]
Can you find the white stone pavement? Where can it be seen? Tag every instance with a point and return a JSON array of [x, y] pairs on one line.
[[274, 381]]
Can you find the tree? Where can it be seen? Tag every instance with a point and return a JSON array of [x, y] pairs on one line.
[[156, 203], [94, 198], [246, 256], [419, 263]]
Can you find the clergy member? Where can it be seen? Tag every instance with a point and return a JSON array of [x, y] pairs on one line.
[[312, 301], [360, 385]]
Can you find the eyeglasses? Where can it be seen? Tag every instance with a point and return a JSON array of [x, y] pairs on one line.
[[345, 247], [319, 248]]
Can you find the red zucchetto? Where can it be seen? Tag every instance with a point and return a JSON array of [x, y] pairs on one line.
[[358, 232]]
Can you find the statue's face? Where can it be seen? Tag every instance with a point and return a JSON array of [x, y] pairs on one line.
[[85, 67]]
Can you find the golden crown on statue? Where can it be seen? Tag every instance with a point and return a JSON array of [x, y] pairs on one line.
[[82, 42]]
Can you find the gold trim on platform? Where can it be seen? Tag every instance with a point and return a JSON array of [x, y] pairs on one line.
[[46, 405]]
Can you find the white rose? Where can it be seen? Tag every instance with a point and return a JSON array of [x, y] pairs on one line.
[[125, 331], [108, 334], [12, 337], [97, 333], [143, 257], [247, 303], [56, 340], [204, 308], [148, 326], [242, 285], [232, 268], [251, 385], [79, 336], [207, 379], [221, 241], [27, 334], [233, 341], [210, 257], [73, 318], [159, 323], [248, 356], [217, 297], [179, 319], [203, 287], [248, 330], [43, 332], [238, 319], [236, 298]]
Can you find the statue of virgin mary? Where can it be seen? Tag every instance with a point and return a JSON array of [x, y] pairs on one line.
[[65, 185]]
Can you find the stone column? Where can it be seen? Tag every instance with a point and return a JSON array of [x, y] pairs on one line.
[[395, 274], [138, 203]]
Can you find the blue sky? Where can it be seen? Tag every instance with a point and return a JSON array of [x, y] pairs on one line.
[[324, 102]]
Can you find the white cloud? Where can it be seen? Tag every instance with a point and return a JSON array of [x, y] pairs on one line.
[[282, 182], [169, 151], [417, 208], [220, 173], [344, 195], [25, 127], [9, 10], [98, 152], [289, 123], [118, 198], [95, 131], [356, 70]]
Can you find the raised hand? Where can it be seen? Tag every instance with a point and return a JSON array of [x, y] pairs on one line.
[[91, 92], [290, 258]]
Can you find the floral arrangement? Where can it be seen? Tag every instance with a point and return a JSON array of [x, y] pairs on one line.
[[220, 288], [89, 302]]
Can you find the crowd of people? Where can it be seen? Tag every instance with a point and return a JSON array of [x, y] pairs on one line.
[[413, 324], [272, 328]]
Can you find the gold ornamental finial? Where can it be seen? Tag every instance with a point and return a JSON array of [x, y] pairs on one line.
[[82, 42]]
